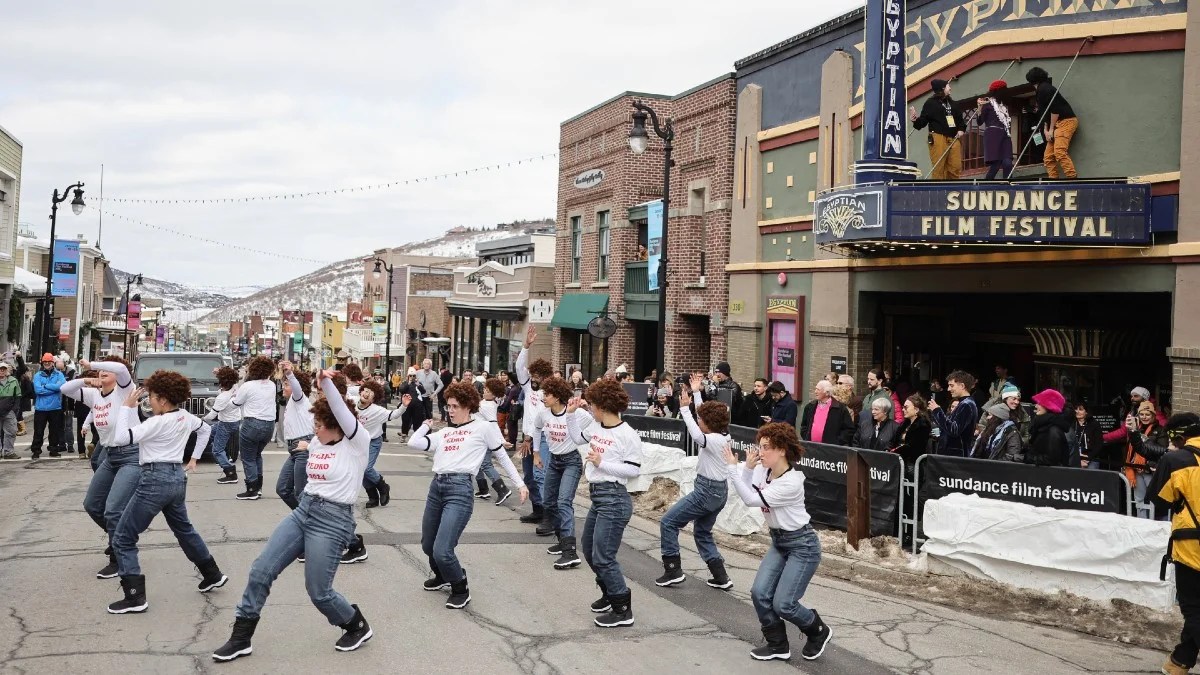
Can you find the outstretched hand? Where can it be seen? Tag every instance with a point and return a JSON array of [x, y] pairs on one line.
[[530, 336], [131, 401]]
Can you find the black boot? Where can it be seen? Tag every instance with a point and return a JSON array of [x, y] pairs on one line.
[[437, 583], [620, 614], [777, 643], [385, 492], [372, 496], [569, 557], [357, 632], [210, 576], [672, 572], [134, 586], [239, 641], [603, 604], [230, 477], [818, 635], [110, 570], [357, 551], [502, 491], [251, 491], [460, 595], [481, 489], [546, 527], [720, 579], [535, 516]]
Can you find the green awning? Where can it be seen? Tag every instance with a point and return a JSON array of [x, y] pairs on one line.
[[575, 310]]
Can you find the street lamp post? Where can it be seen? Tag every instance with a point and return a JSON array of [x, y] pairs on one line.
[[76, 208], [129, 281], [639, 140], [387, 348]]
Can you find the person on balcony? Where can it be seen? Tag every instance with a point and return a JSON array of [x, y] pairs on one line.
[[945, 122], [997, 137], [1059, 124]]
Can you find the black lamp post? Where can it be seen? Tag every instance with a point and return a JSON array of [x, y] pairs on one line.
[[639, 140], [47, 310], [129, 281], [387, 347]]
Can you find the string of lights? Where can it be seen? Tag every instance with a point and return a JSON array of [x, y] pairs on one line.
[[213, 242], [335, 191]]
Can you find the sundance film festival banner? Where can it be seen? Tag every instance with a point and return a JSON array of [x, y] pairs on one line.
[[659, 431], [825, 467], [743, 439], [1056, 487]]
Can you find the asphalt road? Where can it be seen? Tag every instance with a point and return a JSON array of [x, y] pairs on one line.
[[524, 617]]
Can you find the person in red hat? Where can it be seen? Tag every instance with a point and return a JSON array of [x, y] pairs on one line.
[[997, 131], [1048, 432]]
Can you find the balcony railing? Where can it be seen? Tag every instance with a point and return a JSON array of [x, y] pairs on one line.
[[637, 283]]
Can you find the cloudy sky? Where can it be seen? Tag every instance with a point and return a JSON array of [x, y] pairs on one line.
[[233, 98]]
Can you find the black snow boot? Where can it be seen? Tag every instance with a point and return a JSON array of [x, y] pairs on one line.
[[481, 489], [818, 635], [603, 604], [547, 528], [569, 557], [534, 517], [109, 571], [134, 586], [672, 572], [356, 553], [239, 641], [720, 579], [437, 583], [385, 492], [460, 595], [502, 491], [777, 643], [620, 614], [357, 632], [210, 576], [229, 477], [251, 491], [372, 496]]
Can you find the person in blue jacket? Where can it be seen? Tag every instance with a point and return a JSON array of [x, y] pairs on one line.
[[47, 407]]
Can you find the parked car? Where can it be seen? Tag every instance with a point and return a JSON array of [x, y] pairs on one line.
[[198, 368]]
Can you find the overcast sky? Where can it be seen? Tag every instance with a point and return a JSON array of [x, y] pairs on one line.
[[233, 98]]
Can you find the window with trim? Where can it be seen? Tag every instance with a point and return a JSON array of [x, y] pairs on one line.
[[576, 247], [1022, 110], [604, 236]]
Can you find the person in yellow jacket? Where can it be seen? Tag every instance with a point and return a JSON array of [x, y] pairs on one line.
[[1177, 480]]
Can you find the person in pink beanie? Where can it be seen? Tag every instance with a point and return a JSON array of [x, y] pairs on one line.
[[1048, 432]]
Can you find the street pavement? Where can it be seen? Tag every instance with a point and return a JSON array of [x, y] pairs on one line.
[[524, 616]]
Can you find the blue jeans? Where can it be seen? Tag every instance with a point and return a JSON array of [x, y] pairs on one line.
[[293, 476], [702, 505], [606, 520], [221, 433], [544, 452], [487, 469], [320, 530], [533, 478], [97, 458], [447, 509], [112, 486], [562, 479], [371, 477], [783, 577], [162, 489], [253, 437]]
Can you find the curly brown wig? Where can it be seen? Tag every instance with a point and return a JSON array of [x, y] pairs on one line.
[[541, 369], [557, 387], [376, 389], [227, 377], [464, 394], [340, 382], [260, 368], [305, 381], [495, 386], [169, 386], [783, 436], [353, 372], [324, 416], [113, 358], [88, 374], [607, 395], [715, 416]]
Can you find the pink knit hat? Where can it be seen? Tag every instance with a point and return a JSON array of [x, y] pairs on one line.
[[1050, 400]]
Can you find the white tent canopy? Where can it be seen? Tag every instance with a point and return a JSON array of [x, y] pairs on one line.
[[29, 283]]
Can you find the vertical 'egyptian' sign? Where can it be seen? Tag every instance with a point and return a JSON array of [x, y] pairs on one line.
[[894, 95]]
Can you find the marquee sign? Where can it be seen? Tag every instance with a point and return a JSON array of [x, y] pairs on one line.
[[1079, 213]]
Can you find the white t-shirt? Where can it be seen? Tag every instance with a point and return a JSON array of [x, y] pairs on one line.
[[103, 407], [352, 392], [619, 446], [373, 417], [554, 428], [711, 462], [781, 500], [162, 438], [335, 471], [297, 418], [223, 409], [256, 398], [459, 449], [488, 411], [533, 399]]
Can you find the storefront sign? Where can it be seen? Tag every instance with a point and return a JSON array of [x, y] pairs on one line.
[[485, 286], [659, 431], [64, 329], [856, 211], [64, 280], [541, 310], [837, 365], [894, 98], [824, 468], [782, 306], [654, 230], [589, 179], [160, 334], [639, 396], [133, 314]]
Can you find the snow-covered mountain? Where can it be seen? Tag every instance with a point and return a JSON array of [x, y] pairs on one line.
[[331, 287], [184, 302]]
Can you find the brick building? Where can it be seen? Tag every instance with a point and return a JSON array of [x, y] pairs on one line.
[[603, 193], [420, 286]]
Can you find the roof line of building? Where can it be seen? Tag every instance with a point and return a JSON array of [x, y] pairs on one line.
[[642, 94], [8, 133]]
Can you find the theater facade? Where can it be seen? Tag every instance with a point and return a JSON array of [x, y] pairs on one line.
[[843, 254]]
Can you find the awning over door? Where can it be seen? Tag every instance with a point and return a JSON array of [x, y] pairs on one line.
[[575, 310]]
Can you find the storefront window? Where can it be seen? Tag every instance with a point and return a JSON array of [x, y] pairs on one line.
[[783, 352], [602, 223]]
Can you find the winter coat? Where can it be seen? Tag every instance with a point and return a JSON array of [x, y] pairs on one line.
[[1000, 438], [10, 396], [958, 427], [1087, 441], [997, 140], [884, 392], [46, 388], [1145, 449], [913, 439], [26, 393], [784, 410], [1048, 440], [872, 436], [839, 428], [754, 409]]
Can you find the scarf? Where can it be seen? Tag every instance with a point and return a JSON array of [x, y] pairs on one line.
[[994, 441], [1002, 114]]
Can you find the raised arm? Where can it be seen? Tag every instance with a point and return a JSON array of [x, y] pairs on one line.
[[421, 440], [693, 429], [522, 369], [297, 391], [577, 425], [74, 389], [397, 413], [742, 481], [124, 379], [345, 417]]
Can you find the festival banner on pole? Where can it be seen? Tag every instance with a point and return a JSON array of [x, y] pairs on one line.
[[654, 232], [64, 280]]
